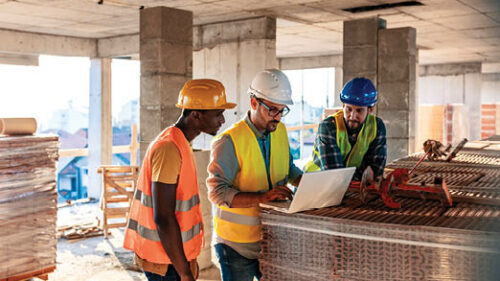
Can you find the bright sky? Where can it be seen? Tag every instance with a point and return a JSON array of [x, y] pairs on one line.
[[37, 91]]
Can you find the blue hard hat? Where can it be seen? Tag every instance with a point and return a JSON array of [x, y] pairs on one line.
[[360, 92]]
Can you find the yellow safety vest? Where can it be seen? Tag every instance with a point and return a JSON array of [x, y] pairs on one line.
[[242, 225], [352, 158]]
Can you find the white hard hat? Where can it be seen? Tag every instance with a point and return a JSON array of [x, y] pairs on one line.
[[272, 85]]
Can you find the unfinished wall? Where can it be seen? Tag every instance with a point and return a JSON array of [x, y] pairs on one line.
[[490, 88], [430, 124], [454, 84], [202, 159], [490, 104], [233, 52]]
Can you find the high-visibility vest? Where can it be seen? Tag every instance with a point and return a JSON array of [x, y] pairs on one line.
[[352, 156], [141, 234], [242, 225]]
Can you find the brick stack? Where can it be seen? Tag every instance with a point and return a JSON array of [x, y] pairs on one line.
[[490, 114]]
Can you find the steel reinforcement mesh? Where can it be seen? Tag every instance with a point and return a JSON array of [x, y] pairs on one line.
[[420, 241], [304, 246]]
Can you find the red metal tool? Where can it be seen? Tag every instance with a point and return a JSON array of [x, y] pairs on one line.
[[396, 182]]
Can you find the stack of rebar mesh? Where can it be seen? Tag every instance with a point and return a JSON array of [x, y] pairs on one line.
[[28, 206], [420, 241]]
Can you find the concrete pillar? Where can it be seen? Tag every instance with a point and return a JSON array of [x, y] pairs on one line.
[[202, 159], [339, 84], [166, 40], [233, 52], [388, 58], [100, 138], [360, 48], [396, 79]]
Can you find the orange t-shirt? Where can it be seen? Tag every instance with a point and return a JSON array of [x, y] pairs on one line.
[[165, 168], [166, 164]]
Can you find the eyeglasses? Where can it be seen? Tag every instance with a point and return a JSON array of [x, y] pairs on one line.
[[273, 111]]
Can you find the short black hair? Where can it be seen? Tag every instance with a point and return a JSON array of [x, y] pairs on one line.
[[186, 112]]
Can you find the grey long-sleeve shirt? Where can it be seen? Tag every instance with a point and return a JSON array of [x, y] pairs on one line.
[[222, 171]]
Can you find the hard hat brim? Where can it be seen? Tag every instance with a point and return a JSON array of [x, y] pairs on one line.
[[227, 105]]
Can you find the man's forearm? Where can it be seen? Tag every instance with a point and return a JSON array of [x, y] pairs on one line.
[[171, 240], [246, 199]]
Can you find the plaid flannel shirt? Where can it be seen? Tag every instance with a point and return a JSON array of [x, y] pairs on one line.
[[330, 156]]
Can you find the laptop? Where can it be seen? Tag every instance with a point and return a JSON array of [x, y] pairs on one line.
[[316, 190]]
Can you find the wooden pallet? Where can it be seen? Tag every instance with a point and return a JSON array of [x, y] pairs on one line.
[[119, 184], [40, 274]]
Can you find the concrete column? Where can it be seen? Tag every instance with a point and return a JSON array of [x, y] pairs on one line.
[[166, 39], [360, 48], [339, 84], [387, 57], [233, 52], [396, 79], [100, 138]]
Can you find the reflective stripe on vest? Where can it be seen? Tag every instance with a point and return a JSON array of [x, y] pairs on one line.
[[236, 218], [351, 156], [152, 234], [141, 234], [242, 225], [180, 205]]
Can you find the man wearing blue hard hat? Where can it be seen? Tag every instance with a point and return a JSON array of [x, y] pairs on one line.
[[352, 137]]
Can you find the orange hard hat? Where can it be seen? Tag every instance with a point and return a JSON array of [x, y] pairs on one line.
[[203, 94]]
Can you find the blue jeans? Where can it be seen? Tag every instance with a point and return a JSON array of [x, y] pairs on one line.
[[235, 267], [171, 275]]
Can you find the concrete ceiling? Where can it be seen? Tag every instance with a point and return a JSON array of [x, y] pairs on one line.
[[447, 30]]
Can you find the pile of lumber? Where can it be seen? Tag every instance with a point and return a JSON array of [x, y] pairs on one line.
[[28, 205], [80, 231]]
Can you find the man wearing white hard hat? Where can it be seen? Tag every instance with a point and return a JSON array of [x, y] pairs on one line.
[[250, 164]]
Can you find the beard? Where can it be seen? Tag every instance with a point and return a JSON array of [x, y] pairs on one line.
[[271, 126], [353, 125]]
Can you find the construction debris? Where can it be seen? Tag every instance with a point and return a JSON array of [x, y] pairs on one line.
[[80, 231], [28, 206]]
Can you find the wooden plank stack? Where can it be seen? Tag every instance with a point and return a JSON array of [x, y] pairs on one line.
[[28, 206], [119, 185]]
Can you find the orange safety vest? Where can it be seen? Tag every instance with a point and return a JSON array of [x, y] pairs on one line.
[[141, 235]]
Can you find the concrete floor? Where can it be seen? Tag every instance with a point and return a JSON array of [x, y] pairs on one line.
[[97, 258], [100, 259]]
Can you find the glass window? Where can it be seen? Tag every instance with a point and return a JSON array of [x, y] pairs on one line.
[[312, 92]]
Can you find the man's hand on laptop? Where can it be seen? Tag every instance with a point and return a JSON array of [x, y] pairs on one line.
[[280, 192]]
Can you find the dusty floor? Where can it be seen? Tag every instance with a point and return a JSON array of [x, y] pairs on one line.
[[97, 258]]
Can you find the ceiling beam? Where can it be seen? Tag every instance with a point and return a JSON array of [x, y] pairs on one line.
[[15, 59], [27, 43], [290, 63], [127, 45]]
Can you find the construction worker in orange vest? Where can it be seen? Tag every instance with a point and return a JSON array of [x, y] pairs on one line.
[[165, 228]]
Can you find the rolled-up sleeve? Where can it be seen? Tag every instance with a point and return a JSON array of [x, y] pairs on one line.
[[222, 171], [293, 171]]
